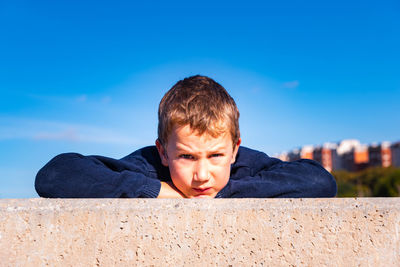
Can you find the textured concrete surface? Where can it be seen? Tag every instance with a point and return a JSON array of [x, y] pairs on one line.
[[224, 232]]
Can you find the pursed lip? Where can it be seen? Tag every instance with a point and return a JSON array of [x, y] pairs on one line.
[[202, 190]]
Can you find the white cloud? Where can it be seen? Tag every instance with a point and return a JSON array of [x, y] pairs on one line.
[[106, 100], [81, 98], [39, 130], [68, 134], [291, 85], [72, 99]]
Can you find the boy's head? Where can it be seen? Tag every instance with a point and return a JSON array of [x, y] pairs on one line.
[[198, 135], [201, 103]]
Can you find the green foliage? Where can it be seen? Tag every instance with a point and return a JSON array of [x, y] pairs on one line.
[[371, 182]]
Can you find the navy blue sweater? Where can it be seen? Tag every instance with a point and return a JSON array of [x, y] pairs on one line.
[[254, 174]]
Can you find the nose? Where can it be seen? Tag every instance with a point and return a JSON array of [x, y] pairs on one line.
[[201, 171]]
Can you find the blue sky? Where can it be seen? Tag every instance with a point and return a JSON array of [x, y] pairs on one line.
[[87, 76]]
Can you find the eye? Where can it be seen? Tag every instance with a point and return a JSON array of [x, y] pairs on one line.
[[186, 156], [216, 155]]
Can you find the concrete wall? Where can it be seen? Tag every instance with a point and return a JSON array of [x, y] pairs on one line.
[[237, 232]]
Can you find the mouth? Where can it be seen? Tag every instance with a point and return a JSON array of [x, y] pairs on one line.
[[202, 190]]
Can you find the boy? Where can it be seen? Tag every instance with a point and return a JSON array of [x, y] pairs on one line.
[[197, 155]]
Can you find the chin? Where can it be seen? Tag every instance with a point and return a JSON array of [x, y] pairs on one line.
[[202, 196]]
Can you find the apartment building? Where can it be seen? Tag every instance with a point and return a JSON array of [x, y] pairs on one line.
[[306, 152], [380, 154], [294, 155], [395, 148], [327, 156], [348, 155], [386, 154]]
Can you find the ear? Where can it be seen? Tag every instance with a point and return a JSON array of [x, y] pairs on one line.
[[235, 150], [162, 152]]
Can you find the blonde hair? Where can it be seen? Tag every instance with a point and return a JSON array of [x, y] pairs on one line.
[[201, 103]]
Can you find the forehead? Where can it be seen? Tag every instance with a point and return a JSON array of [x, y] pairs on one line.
[[183, 137]]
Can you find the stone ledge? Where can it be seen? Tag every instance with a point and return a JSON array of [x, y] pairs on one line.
[[237, 232]]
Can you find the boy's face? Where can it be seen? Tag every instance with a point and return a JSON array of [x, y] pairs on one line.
[[200, 165]]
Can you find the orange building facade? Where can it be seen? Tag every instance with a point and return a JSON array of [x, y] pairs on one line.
[[349, 155]]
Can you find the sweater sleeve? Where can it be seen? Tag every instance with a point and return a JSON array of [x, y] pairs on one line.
[[72, 175], [257, 175]]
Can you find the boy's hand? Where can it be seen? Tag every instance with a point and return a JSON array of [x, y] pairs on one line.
[[168, 190]]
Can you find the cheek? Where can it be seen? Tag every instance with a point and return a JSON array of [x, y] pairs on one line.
[[180, 173], [223, 172]]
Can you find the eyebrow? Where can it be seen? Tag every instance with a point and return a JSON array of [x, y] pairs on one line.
[[217, 149]]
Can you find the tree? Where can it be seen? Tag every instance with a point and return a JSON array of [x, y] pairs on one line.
[[371, 182]]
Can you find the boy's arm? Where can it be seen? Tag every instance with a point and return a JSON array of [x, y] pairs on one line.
[[257, 175], [168, 190], [72, 175]]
